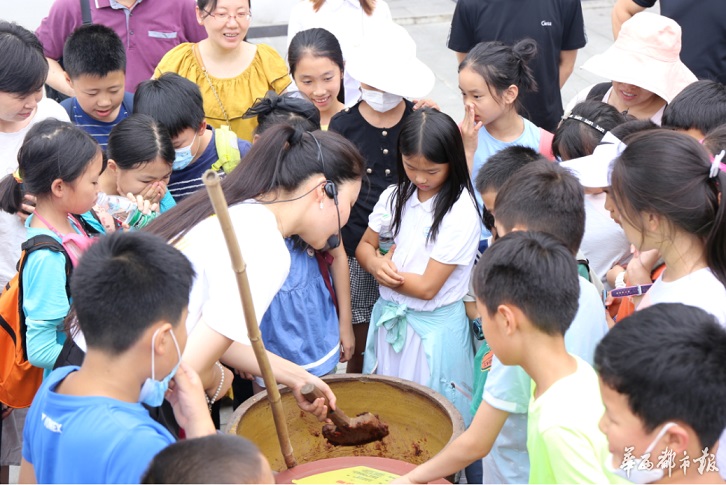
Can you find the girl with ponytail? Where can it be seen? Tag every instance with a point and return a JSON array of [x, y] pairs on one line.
[[492, 78]]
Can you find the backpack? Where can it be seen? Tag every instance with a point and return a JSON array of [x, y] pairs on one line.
[[225, 141], [19, 380]]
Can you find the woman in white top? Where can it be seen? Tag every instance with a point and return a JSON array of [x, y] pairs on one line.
[[292, 183], [348, 20], [419, 330], [671, 197]]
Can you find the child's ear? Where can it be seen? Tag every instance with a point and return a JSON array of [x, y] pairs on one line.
[[202, 127], [507, 317], [57, 187], [68, 79], [163, 339], [510, 94], [678, 438], [112, 166]]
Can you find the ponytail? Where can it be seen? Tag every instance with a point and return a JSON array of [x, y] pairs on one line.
[[525, 50], [716, 239], [502, 66], [11, 194]]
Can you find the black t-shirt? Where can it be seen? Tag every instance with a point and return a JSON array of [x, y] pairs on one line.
[[379, 147], [556, 25], [703, 41]]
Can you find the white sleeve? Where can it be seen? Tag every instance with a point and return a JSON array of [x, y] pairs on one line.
[[268, 264], [384, 205], [458, 238]]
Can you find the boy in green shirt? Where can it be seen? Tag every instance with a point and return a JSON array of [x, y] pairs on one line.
[[527, 292]]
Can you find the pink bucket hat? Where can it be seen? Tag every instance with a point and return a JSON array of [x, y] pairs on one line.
[[645, 54]]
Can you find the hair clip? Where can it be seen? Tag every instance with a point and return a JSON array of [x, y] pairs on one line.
[[716, 164], [589, 123], [16, 175]]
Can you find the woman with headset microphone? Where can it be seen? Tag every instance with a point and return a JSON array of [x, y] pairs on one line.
[[292, 183]]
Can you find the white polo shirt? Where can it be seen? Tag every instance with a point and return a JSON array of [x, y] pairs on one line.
[[456, 243]]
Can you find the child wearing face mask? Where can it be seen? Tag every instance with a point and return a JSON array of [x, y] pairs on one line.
[[83, 428], [658, 408], [197, 146], [389, 72]]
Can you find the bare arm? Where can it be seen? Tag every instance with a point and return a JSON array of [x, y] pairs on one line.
[[57, 78], [379, 266], [567, 65], [473, 444], [427, 285], [341, 282], [460, 57], [622, 11], [27, 472]]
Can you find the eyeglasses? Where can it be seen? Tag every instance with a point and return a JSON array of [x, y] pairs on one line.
[[223, 18]]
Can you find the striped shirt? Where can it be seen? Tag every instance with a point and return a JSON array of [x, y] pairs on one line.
[[99, 130]]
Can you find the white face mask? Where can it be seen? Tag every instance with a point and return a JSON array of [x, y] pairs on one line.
[[380, 101], [634, 469]]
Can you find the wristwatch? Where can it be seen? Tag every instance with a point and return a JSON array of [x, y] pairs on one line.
[[636, 290]]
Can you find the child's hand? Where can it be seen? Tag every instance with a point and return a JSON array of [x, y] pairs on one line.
[[425, 103], [144, 205], [347, 343], [154, 192], [402, 479], [470, 128], [27, 207], [186, 396], [384, 270], [641, 265]]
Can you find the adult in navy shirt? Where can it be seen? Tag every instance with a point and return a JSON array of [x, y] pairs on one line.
[[703, 25], [556, 25]]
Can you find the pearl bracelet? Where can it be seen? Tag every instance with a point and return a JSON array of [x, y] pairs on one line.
[[210, 402]]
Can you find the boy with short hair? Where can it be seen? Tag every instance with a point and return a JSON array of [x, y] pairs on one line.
[[663, 385], [95, 64], [220, 458], [176, 103], [499, 168], [698, 109], [527, 288], [546, 197], [87, 424]]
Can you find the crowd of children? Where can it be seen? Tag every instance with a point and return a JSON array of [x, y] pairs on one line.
[[565, 291]]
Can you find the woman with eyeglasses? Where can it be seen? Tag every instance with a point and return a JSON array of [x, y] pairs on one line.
[[231, 72]]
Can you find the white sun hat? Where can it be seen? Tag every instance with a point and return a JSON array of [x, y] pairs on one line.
[[386, 60]]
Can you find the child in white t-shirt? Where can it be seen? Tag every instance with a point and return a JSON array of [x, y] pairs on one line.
[[419, 329], [670, 197]]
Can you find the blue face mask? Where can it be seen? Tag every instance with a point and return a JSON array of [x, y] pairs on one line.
[[153, 391], [184, 156]]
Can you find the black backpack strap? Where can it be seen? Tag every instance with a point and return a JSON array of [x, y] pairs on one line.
[[598, 91], [33, 244], [128, 102], [87, 226], [86, 12]]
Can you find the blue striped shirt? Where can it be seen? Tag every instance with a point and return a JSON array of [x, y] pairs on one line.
[[99, 130]]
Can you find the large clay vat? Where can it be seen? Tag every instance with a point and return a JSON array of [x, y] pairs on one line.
[[420, 420]]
